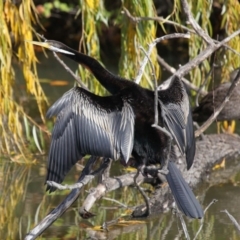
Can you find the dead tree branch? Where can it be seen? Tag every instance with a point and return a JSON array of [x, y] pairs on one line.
[[234, 221], [76, 77], [158, 19], [173, 70], [195, 25], [151, 46], [182, 71]]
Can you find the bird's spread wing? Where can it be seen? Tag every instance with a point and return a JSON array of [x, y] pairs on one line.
[[88, 124]]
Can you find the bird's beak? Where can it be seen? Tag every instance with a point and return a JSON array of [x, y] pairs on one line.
[[50, 47]]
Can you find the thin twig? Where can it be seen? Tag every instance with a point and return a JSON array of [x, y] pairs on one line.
[[156, 101], [183, 70], [234, 221], [72, 186], [210, 204], [151, 46], [173, 70], [159, 19], [155, 87], [202, 86], [113, 200], [184, 226], [213, 117], [76, 77], [195, 25], [144, 195], [202, 220]]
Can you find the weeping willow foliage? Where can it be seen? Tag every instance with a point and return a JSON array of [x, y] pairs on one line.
[[93, 14], [16, 26], [134, 35], [201, 10], [231, 23]]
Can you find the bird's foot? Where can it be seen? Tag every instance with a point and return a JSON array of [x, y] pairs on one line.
[[86, 214], [142, 213]]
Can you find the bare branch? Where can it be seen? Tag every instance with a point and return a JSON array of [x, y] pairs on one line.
[[202, 220], [76, 77], [184, 226], [234, 221], [158, 19], [113, 200], [203, 55], [111, 184], [151, 46], [173, 70], [220, 107], [155, 87], [210, 204], [229, 48], [195, 25]]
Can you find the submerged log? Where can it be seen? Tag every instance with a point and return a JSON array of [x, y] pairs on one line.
[[210, 150]]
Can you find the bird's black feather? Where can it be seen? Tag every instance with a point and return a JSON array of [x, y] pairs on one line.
[[183, 195]]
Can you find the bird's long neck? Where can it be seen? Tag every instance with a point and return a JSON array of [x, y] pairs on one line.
[[111, 82]]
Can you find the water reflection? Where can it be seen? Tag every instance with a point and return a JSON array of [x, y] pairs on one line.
[[13, 178]]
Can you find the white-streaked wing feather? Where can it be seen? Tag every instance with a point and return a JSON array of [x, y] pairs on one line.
[[88, 124]]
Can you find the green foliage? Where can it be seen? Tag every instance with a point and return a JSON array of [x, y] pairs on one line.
[[48, 6], [231, 22]]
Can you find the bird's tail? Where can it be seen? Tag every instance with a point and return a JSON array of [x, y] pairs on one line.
[[183, 195]]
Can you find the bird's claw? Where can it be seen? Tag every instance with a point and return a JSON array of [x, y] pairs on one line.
[[86, 214]]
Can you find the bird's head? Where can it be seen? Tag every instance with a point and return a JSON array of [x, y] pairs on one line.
[[54, 46]]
